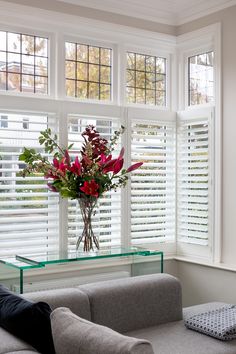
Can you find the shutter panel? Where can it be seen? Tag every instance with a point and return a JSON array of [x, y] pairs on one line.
[[153, 185], [28, 210], [107, 221], [194, 180]]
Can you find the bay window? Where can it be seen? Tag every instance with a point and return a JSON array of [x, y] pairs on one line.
[[106, 84]]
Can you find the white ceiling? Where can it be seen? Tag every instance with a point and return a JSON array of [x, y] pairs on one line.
[[173, 12]]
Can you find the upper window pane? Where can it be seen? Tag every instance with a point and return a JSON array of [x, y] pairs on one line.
[[23, 63], [201, 78], [88, 71], [146, 79]]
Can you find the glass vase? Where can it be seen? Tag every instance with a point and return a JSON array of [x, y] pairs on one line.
[[88, 210]]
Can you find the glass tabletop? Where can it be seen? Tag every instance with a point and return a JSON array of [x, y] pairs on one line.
[[70, 256]]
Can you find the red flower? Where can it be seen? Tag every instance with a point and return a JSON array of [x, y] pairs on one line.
[[60, 165], [134, 166], [76, 167], [90, 188]]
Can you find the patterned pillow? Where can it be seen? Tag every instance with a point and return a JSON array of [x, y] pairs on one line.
[[219, 323]]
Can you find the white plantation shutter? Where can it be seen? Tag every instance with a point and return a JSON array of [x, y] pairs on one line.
[[28, 210], [194, 179], [153, 185], [107, 221]]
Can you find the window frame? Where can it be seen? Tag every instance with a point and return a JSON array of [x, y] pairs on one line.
[[114, 69], [51, 59], [152, 52]]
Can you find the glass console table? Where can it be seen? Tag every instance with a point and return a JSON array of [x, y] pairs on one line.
[[19, 264]]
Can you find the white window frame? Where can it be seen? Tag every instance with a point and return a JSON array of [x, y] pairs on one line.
[[114, 69], [51, 60], [151, 52]]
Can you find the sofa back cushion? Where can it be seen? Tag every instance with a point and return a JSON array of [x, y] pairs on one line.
[[74, 335], [139, 302], [72, 298]]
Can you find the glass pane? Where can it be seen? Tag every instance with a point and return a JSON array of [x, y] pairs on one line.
[[2, 61], [27, 44], [70, 51], [140, 96], [82, 52], [140, 62], [41, 85], [150, 97], [140, 79], [2, 81], [105, 56], [70, 69], [93, 91], [82, 71], [160, 82], [105, 74], [94, 73], [13, 82], [150, 64], [130, 92], [131, 61], [160, 98], [130, 79], [27, 64], [27, 83], [94, 55], [82, 89], [41, 66], [3, 41], [150, 81], [14, 42], [41, 46], [160, 65], [70, 88], [13, 64], [105, 92]]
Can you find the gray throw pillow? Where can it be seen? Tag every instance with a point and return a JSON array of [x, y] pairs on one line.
[[75, 335]]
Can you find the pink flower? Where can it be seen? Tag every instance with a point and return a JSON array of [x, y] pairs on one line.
[[60, 165], [90, 188], [134, 166], [118, 166], [76, 167]]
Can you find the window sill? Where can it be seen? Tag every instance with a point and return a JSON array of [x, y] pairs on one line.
[[204, 263]]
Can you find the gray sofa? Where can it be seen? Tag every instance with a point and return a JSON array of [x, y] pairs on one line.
[[147, 307]]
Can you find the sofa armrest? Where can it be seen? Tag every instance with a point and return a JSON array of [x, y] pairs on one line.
[[132, 303]]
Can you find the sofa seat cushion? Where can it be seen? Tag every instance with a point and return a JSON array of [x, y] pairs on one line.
[[11, 344], [73, 335], [175, 338]]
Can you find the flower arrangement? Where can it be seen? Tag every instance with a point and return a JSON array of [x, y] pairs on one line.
[[85, 178]]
